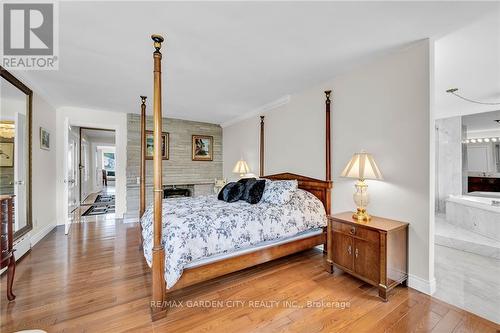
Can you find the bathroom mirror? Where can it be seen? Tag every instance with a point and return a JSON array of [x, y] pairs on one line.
[[15, 148]]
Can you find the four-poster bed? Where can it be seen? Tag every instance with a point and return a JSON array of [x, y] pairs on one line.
[[241, 259]]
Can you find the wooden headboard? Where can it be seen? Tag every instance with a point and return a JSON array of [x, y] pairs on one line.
[[320, 188]]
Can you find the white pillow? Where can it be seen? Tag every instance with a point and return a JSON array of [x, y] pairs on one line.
[[279, 192]]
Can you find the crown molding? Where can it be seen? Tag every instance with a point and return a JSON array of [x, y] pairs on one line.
[[258, 111]]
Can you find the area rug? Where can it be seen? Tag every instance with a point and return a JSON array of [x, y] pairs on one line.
[[103, 204], [104, 198]]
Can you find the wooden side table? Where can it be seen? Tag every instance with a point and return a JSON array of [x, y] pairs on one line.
[[6, 227], [375, 251]]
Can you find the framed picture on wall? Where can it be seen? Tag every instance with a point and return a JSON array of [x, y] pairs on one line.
[[7, 154], [150, 146], [202, 147], [44, 139]]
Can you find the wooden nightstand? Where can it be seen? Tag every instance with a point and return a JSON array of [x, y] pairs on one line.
[[375, 251]]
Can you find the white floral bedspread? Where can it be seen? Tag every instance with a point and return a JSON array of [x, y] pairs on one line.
[[196, 228]]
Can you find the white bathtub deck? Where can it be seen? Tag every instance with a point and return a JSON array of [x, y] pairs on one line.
[[449, 235]]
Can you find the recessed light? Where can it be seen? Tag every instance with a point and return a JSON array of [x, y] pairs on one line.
[[494, 139], [473, 140], [486, 140], [479, 140]]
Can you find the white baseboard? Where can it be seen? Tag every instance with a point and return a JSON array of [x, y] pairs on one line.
[[42, 233], [22, 245], [130, 220], [422, 285]]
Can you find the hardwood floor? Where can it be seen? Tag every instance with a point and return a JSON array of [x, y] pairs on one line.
[[96, 280]]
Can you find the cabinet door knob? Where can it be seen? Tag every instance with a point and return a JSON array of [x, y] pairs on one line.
[[349, 250], [353, 230], [356, 253]]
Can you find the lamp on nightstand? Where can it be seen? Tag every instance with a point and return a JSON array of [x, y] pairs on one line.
[[242, 168], [361, 166]]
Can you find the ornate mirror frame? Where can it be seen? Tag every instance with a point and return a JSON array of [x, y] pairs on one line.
[[4, 74]]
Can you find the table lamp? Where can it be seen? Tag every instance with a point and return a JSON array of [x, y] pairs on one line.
[[242, 168], [361, 166]]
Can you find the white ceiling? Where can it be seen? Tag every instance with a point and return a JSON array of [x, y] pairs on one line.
[[482, 122], [469, 59], [101, 136], [224, 59]]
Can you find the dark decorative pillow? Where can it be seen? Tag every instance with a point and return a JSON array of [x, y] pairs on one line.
[[232, 192], [253, 190], [244, 181]]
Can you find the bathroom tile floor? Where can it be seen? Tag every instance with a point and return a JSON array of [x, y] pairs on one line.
[[468, 281]]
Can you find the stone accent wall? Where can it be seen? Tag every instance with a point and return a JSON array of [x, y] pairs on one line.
[[180, 169]]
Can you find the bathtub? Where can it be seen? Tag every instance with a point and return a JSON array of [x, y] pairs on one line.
[[493, 195], [475, 213]]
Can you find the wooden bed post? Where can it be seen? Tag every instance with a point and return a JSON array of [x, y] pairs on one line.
[[158, 283], [142, 205], [261, 152], [327, 144], [328, 247], [142, 171]]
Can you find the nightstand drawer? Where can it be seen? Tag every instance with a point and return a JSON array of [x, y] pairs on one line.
[[367, 234], [342, 227], [356, 231]]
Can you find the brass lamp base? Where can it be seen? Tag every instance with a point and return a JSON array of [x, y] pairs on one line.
[[361, 215]]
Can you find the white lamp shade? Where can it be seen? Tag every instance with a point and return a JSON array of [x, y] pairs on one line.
[[241, 167], [362, 166]]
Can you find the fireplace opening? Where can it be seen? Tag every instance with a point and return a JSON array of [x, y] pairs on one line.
[[174, 192]]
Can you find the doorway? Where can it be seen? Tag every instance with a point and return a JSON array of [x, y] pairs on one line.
[[97, 173], [90, 174], [467, 237]]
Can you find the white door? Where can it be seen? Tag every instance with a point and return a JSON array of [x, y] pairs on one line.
[[72, 177], [20, 171]]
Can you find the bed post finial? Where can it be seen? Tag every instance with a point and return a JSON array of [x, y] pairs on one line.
[[327, 145], [261, 153], [157, 304], [158, 39]]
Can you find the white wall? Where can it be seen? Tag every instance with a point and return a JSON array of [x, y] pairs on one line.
[[449, 178], [44, 168], [383, 107], [469, 59], [93, 119]]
